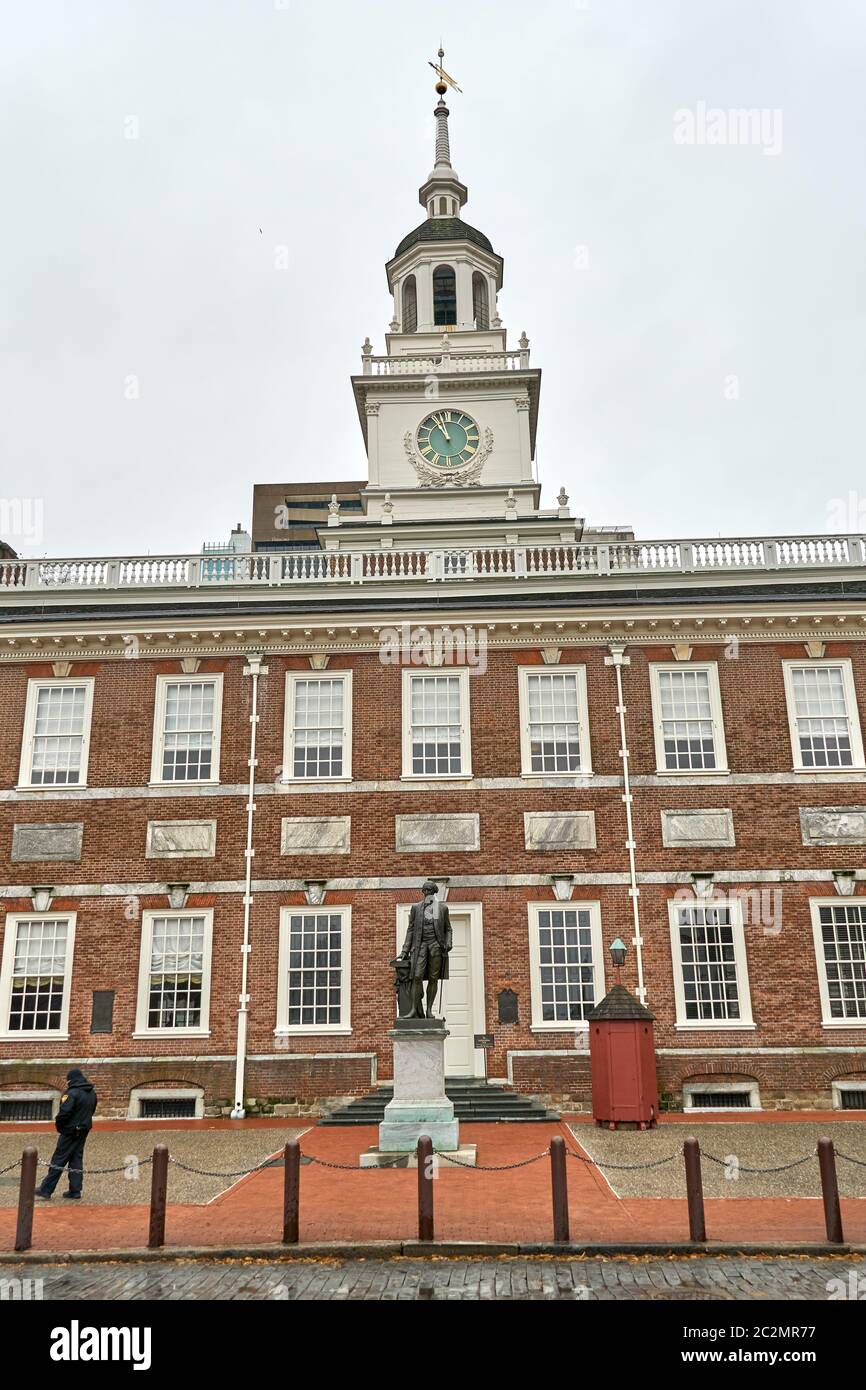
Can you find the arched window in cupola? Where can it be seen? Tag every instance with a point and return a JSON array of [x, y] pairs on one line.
[[443, 207], [410, 305], [444, 296], [480, 301]]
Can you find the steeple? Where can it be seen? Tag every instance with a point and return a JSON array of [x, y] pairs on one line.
[[443, 195]]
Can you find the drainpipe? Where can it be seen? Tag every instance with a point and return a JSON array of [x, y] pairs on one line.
[[617, 660], [254, 669]]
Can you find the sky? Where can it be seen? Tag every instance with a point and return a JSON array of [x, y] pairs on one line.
[[199, 198]]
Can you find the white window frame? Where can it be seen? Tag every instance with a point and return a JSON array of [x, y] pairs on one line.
[[851, 710], [292, 679], [465, 727], [47, 1094], [731, 1088], [815, 905], [744, 993], [202, 1029], [524, 673], [719, 744], [162, 684], [140, 1093], [538, 1023], [839, 1088], [342, 1029], [10, 937], [25, 771]]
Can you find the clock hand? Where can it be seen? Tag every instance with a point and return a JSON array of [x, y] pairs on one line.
[[442, 427]]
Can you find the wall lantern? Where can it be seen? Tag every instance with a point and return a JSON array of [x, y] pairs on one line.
[[618, 952]]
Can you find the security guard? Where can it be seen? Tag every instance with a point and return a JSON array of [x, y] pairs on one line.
[[73, 1124]]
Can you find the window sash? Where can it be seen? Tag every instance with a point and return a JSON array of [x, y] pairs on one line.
[[36, 971], [843, 957], [821, 716], [176, 974], [189, 724], [319, 727], [313, 993], [437, 725], [708, 964], [553, 717], [687, 726]]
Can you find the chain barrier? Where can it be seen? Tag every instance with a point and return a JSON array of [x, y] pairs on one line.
[[10, 1166], [861, 1163], [779, 1168], [205, 1173], [621, 1167], [90, 1172], [354, 1167], [497, 1167]]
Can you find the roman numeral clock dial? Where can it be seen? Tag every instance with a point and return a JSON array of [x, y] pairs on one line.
[[448, 439]]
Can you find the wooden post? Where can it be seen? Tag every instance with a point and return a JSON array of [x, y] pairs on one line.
[[158, 1196], [830, 1191], [425, 1188], [694, 1190], [291, 1192], [26, 1189], [559, 1185]]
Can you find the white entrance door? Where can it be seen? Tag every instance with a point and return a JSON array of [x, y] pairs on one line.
[[463, 991], [459, 1049]]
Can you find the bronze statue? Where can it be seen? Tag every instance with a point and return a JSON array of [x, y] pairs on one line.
[[426, 949]]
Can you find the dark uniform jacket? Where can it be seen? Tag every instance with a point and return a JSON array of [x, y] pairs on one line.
[[77, 1105], [441, 927]]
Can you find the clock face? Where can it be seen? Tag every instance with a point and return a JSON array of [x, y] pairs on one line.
[[448, 439]]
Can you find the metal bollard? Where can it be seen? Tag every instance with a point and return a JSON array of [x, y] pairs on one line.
[[694, 1190], [158, 1197], [425, 1188], [292, 1192], [559, 1185], [26, 1189], [830, 1191]]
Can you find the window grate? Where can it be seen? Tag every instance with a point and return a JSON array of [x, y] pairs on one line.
[[721, 1100], [25, 1109], [181, 1108], [853, 1100]]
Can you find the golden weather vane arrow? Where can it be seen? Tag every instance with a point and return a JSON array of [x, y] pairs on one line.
[[445, 79]]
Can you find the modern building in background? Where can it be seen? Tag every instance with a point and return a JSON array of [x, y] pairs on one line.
[[223, 777]]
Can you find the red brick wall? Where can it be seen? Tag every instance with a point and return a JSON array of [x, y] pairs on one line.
[[782, 968]]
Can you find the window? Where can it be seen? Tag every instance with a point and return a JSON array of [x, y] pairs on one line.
[[840, 950], [711, 981], [56, 742], [34, 981], [410, 305], [480, 301], [444, 296], [174, 973], [554, 726], [822, 712], [687, 716], [318, 733], [566, 964], [187, 721], [314, 970], [436, 725]]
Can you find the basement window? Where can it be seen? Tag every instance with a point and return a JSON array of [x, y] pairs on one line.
[[849, 1095], [16, 1108], [182, 1109], [166, 1103], [743, 1095]]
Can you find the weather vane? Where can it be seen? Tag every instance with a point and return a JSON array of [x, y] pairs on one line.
[[445, 80]]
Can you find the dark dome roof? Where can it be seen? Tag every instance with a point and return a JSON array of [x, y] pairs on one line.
[[444, 229]]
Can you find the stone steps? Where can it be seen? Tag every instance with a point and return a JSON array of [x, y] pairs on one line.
[[475, 1102]]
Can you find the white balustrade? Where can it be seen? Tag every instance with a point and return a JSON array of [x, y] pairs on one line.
[[549, 560]]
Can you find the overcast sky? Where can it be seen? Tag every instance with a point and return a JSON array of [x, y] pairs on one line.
[[697, 308]]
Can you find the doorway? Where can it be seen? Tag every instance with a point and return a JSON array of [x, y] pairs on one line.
[[463, 991]]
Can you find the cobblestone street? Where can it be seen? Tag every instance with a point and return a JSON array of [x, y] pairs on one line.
[[625, 1279]]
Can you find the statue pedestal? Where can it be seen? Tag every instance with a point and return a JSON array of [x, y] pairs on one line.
[[420, 1105]]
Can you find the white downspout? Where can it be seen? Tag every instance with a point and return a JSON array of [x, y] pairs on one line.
[[617, 660], [254, 669]]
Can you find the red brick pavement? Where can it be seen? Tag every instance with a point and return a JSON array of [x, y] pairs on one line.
[[365, 1205]]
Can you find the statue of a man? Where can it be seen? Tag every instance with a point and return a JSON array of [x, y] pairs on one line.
[[427, 946]]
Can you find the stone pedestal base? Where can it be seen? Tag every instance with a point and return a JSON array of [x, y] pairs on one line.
[[460, 1158], [420, 1105]]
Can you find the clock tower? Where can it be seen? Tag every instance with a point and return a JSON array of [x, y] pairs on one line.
[[449, 412]]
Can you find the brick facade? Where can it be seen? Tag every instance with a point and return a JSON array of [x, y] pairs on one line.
[[788, 1051]]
